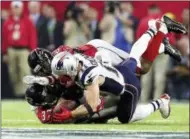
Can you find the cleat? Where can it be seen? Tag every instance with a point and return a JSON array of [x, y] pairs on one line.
[[174, 26], [165, 106], [173, 52]]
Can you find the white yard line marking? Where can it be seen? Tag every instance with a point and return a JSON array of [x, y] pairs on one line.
[[28, 133], [85, 130]]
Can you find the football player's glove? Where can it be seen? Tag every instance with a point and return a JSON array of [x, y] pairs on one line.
[[61, 116], [30, 79]]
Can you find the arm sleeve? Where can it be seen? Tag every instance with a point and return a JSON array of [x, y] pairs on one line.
[[90, 75]]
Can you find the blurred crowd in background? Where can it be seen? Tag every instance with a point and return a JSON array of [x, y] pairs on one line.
[[119, 26]]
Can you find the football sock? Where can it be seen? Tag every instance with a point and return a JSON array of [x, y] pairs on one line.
[[140, 46], [155, 47], [144, 110]]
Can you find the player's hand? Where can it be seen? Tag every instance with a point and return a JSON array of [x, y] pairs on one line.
[[101, 105], [62, 115], [30, 79]]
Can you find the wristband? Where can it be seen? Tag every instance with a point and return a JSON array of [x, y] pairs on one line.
[[89, 109]]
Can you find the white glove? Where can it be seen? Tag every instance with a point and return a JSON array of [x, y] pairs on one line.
[[29, 79]]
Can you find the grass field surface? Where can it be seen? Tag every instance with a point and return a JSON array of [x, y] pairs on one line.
[[18, 114]]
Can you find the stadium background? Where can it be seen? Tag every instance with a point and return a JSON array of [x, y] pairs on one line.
[[17, 113], [140, 11]]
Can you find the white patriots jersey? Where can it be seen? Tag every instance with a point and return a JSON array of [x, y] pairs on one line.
[[92, 69], [116, 55]]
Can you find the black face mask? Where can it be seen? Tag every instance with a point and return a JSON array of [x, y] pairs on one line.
[[45, 61], [38, 95], [39, 61]]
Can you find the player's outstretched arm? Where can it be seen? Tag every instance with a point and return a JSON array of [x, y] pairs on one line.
[[92, 100], [31, 79]]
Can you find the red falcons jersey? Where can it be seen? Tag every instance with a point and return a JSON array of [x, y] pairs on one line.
[[86, 49], [46, 116]]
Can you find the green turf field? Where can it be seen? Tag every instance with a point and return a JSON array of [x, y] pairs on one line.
[[18, 114]]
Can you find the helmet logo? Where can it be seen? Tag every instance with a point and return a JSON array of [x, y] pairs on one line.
[[59, 65]]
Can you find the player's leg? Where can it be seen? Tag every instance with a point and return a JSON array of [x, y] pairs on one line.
[[152, 52], [155, 46], [139, 47], [130, 97], [144, 110], [127, 104], [160, 44], [141, 112]]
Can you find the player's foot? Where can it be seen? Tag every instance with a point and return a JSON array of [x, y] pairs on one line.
[[174, 26], [173, 52], [165, 106]]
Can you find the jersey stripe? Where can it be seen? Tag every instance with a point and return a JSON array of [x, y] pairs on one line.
[[112, 86], [85, 73]]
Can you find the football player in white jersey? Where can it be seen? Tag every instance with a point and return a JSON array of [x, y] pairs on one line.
[[94, 76]]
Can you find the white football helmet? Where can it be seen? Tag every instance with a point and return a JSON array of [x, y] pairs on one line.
[[64, 64]]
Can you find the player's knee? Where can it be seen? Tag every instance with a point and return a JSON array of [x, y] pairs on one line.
[[134, 90], [124, 119]]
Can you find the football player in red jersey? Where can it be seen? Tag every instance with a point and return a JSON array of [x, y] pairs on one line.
[[50, 109]]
